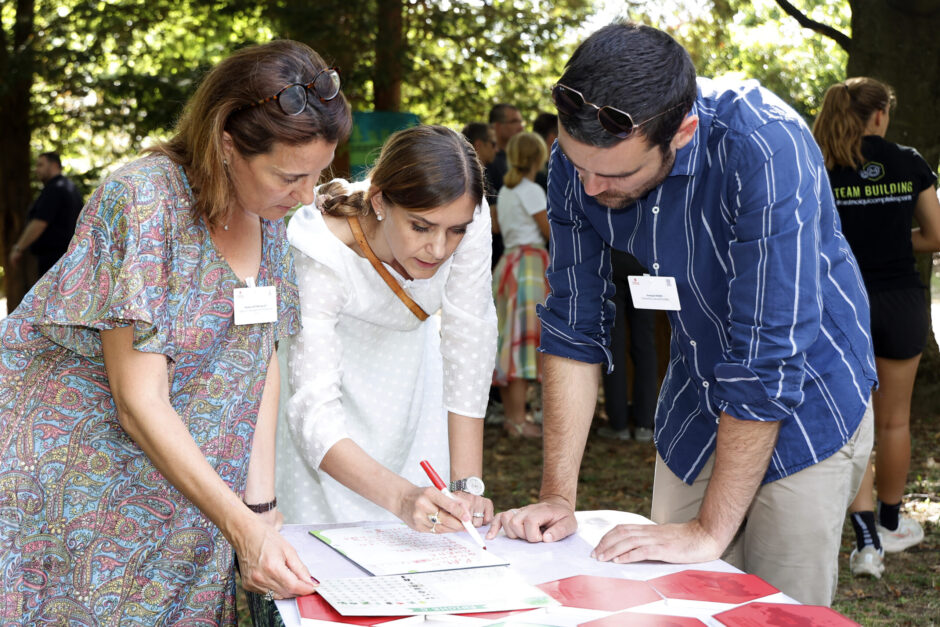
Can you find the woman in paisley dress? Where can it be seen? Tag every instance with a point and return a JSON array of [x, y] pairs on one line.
[[137, 418]]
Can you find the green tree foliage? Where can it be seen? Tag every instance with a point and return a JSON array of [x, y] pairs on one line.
[[457, 58], [94, 78]]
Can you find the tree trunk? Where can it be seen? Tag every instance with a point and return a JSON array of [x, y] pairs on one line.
[[897, 42], [389, 56], [16, 66]]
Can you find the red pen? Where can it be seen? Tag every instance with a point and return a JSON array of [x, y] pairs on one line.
[[440, 485]]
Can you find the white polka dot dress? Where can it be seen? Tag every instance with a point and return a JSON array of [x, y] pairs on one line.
[[364, 367]]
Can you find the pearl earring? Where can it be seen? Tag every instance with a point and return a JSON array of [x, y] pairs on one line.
[[225, 162], [224, 227], [378, 216]]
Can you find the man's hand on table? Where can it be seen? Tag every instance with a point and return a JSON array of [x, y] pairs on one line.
[[547, 521], [675, 543]]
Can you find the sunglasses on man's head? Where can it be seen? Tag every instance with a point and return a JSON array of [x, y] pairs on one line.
[[292, 98], [569, 101]]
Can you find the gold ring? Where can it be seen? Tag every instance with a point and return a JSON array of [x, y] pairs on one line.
[[433, 528], [433, 517]]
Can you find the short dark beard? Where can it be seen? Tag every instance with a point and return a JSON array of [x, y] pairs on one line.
[[622, 200]]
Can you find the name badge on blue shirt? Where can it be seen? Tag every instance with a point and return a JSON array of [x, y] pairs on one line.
[[255, 304], [654, 292]]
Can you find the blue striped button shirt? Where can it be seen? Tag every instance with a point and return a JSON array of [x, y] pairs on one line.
[[774, 316]]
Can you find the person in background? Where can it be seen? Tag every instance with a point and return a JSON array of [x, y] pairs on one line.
[[50, 222], [762, 432], [506, 122], [483, 139], [376, 384], [519, 283], [546, 126], [640, 326], [138, 397], [880, 187]]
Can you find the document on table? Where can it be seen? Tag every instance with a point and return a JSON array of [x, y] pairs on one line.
[[397, 550], [446, 592]]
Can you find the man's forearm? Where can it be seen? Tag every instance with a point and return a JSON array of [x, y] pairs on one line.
[[32, 231], [569, 395], [742, 452]]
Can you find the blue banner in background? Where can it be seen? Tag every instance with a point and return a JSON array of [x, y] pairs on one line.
[[369, 132]]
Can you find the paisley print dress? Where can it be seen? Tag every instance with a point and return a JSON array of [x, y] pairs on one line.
[[90, 532]]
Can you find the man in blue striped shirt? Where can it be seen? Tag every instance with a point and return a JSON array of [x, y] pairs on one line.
[[761, 431]]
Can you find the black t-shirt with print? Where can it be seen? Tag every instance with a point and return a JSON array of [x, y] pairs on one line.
[[876, 207]]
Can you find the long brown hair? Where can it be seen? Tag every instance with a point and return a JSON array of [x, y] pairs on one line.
[[222, 104], [523, 151], [845, 112], [419, 169]]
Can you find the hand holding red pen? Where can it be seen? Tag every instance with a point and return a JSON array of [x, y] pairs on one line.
[[466, 519], [420, 506]]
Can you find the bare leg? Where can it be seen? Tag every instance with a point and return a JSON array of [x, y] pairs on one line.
[[514, 407], [865, 499], [892, 404]]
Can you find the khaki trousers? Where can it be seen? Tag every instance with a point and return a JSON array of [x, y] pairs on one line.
[[793, 529]]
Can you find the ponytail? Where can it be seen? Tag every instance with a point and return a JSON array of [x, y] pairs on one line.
[[846, 109]]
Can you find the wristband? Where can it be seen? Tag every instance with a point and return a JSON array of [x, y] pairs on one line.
[[260, 508]]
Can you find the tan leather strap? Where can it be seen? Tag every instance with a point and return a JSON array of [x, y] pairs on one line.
[[356, 229]]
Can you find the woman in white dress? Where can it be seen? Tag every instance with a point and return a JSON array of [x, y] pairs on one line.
[[374, 389]]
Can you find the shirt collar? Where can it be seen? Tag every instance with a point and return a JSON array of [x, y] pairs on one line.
[[688, 156]]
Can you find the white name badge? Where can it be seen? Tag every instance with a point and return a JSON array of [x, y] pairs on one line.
[[654, 292], [255, 305]]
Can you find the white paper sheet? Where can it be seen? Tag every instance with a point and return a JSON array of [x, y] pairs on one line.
[[397, 550], [490, 589]]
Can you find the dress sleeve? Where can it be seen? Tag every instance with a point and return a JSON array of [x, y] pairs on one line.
[[114, 273], [315, 411], [468, 321]]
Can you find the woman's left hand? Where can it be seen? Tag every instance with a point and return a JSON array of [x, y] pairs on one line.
[[481, 508]]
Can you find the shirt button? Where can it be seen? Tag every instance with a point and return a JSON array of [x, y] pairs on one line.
[[692, 342], [704, 384], [655, 209], [655, 266]]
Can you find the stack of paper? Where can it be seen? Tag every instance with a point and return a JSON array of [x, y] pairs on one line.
[[419, 573]]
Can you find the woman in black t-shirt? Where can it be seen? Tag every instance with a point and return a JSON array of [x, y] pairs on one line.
[[879, 188]]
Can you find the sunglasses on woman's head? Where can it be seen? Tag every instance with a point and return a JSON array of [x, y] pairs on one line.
[[569, 101], [292, 98]]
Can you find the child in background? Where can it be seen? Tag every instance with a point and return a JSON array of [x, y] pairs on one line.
[[519, 282]]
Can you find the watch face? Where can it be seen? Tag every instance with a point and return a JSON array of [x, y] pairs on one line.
[[474, 486]]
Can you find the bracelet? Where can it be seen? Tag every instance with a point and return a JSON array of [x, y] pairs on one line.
[[260, 508]]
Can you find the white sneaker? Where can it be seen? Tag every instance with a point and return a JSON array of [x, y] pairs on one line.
[[908, 533], [868, 561]]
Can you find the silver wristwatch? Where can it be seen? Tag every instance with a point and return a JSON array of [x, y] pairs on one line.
[[470, 485]]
